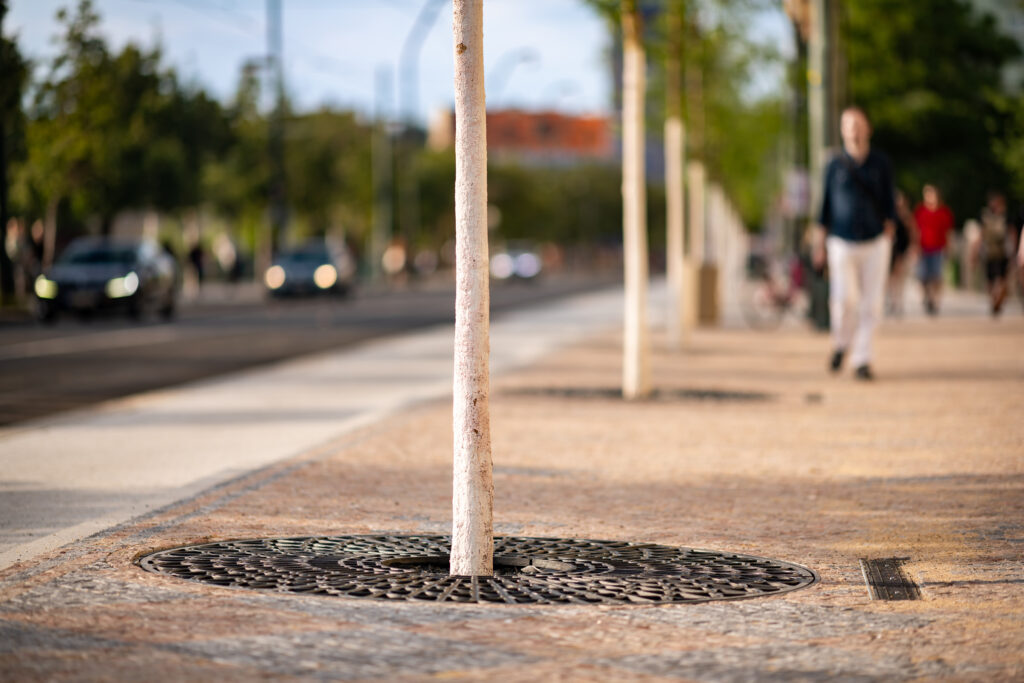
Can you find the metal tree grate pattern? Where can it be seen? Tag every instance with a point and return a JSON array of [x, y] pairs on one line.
[[527, 570]]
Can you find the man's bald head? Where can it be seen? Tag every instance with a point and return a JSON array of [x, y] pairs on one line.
[[855, 130]]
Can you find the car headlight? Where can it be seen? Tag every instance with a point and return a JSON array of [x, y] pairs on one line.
[[527, 266], [502, 266], [45, 288], [274, 277], [120, 287], [325, 276]]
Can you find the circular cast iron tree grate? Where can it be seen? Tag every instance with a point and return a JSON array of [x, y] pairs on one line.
[[527, 570]]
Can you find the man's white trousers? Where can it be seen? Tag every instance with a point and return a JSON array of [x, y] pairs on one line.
[[857, 276]]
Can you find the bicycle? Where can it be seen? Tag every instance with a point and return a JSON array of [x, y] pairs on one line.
[[771, 289]]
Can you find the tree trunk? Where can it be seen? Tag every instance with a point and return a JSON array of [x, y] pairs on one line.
[[636, 371], [636, 352], [473, 489], [698, 224], [50, 232], [6, 266], [675, 146]]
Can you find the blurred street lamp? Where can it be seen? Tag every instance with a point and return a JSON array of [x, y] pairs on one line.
[[558, 91], [409, 58], [502, 71], [408, 185]]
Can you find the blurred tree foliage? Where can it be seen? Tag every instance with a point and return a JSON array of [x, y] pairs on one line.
[[328, 162], [571, 205], [107, 131], [12, 86], [738, 136], [929, 74]]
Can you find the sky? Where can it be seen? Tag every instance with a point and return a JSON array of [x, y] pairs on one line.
[[537, 53]]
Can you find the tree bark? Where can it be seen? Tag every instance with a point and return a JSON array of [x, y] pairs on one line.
[[636, 371], [6, 266], [675, 150], [695, 186], [50, 232], [472, 551]]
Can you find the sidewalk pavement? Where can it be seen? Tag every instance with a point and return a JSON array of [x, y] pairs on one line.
[[749, 447]]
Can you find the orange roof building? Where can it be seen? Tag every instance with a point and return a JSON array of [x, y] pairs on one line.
[[545, 137]]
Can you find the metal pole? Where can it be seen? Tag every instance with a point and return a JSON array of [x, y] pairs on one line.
[[408, 184], [817, 101], [6, 267], [275, 139], [409, 58], [502, 70], [383, 161]]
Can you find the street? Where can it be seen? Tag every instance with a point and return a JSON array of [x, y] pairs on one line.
[[78, 473], [46, 370]]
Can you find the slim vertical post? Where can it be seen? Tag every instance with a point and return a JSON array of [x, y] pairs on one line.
[[383, 163], [275, 140], [817, 100], [675, 146], [6, 267], [473, 490], [636, 371]]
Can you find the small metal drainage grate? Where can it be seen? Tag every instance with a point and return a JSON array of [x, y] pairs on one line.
[[887, 581], [527, 570], [611, 393]]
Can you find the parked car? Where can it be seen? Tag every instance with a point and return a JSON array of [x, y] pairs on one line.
[[518, 260], [104, 273], [313, 268]]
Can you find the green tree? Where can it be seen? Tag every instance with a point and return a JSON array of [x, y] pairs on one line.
[[236, 183], [328, 161], [109, 132], [12, 138], [737, 136], [930, 77]]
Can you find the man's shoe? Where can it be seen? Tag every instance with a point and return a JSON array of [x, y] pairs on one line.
[[837, 360], [864, 373]]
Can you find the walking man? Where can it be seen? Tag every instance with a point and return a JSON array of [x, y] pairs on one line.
[[858, 216]]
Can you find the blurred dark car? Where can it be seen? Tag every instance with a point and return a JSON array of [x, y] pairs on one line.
[[99, 273], [314, 268]]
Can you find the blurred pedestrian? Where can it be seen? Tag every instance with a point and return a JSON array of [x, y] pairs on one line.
[[972, 252], [1020, 252], [24, 257], [904, 244], [996, 247], [934, 222], [196, 258], [857, 213]]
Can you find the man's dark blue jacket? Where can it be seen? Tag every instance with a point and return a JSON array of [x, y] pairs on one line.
[[858, 198]]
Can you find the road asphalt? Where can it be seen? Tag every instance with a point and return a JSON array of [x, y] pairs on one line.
[[748, 446]]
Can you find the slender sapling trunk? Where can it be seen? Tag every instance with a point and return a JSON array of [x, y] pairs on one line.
[[473, 490], [636, 370]]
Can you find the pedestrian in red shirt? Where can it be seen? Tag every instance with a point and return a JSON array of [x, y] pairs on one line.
[[934, 221]]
